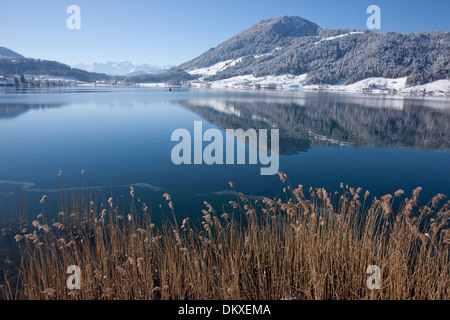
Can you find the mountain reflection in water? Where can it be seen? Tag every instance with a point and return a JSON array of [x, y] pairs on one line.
[[335, 120]]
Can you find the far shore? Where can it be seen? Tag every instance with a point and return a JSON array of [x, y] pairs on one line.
[[371, 86], [294, 83]]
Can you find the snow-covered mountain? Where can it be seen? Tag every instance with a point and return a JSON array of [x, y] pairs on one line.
[[123, 68], [292, 51]]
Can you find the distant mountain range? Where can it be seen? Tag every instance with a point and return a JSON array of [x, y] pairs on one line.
[[124, 68], [285, 46], [13, 63]]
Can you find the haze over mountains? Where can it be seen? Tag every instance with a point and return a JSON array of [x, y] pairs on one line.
[[286, 46], [5, 53], [13, 63], [123, 68]]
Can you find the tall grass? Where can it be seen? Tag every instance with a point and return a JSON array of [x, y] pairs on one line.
[[304, 245]]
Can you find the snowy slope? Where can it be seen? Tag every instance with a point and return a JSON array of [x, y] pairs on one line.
[[215, 68], [339, 36]]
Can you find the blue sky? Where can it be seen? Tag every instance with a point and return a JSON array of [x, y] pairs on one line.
[[171, 32]]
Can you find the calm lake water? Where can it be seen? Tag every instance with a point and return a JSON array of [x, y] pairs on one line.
[[122, 137]]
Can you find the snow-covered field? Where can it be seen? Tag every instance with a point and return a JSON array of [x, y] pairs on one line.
[[287, 81], [247, 81], [49, 78], [214, 69]]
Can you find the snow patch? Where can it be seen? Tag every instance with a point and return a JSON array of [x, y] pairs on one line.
[[215, 68], [339, 36], [221, 66], [267, 53]]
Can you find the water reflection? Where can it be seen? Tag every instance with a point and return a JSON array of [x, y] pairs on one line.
[[14, 110], [335, 120]]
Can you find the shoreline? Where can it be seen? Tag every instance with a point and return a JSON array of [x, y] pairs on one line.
[[375, 85], [420, 91]]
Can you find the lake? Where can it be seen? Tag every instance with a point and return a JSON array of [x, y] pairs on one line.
[[121, 137]]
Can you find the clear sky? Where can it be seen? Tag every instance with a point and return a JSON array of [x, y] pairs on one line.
[[172, 32]]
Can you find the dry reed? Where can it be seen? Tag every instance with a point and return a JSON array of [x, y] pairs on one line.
[[313, 246]]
